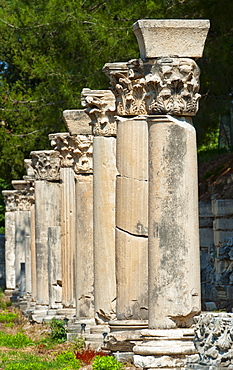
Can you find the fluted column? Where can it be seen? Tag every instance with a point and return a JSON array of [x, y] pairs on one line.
[[46, 165], [100, 106], [77, 230], [62, 143]]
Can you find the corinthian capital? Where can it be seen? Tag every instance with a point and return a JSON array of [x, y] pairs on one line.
[[75, 151], [171, 86], [46, 165], [61, 142], [127, 83], [29, 170], [101, 108], [156, 86], [18, 200]]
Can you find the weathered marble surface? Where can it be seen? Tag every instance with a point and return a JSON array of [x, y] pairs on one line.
[[169, 37], [214, 340]]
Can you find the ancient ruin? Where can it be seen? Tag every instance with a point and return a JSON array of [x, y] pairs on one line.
[[109, 217]]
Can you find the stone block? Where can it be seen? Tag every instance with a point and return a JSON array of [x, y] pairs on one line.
[[174, 334], [210, 306], [220, 237], [206, 222], [222, 207], [164, 37], [123, 356], [132, 148], [206, 237], [165, 347], [205, 209], [123, 341], [223, 224], [77, 122], [132, 205], [132, 276], [155, 362]]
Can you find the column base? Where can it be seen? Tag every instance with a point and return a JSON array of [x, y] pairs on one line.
[[163, 349], [119, 325]]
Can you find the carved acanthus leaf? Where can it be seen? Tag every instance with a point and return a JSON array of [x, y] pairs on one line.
[[75, 151], [156, 86], [46, 165], [18, 200], [101, 108]]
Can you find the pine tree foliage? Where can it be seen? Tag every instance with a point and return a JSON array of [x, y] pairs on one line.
[[51, 49]]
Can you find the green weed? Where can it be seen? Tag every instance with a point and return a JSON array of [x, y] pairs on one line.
[[58, 331], [8, 317], [106, 363], [18, 340], [24, 361]]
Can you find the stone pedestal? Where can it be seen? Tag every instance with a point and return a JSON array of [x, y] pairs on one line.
[[164, 349], [132, 219], [174, 262]]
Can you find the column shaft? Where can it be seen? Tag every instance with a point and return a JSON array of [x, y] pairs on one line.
[[104, 165], [47, 212], [174, 264], [132, 219], [68, 235], [84, 279], [10, 250]]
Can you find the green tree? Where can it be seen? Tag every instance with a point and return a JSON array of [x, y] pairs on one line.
[[51, 49]]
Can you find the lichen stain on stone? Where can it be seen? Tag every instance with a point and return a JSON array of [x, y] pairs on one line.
[[141, 229]]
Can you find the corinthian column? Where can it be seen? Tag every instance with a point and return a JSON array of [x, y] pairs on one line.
[[131, 198], [100, 106], [76, 215], [18, 238], [46, 165], [62, 143]]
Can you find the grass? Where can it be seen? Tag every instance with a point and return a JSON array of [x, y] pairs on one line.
[[42, 347]]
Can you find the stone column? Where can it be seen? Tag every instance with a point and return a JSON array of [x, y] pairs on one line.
[[164, 85], [100, 106], [30, 177], [76, 152], [10, 239], [131, 201], [19, 252], [46, 166], [84, 228], [132, 220], [61, 143], [77, 122]]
